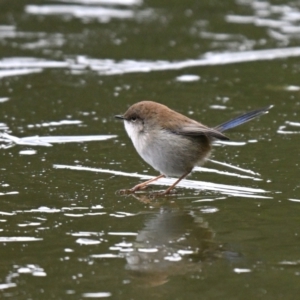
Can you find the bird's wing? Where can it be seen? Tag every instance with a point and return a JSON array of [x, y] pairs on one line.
[[198, 130]]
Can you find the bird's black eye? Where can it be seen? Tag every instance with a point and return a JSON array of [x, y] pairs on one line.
[[133, 119]]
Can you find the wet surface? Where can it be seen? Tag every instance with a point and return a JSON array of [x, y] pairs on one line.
[[231, 230]]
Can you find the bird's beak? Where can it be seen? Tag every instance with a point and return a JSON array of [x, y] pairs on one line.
[[120, 117]]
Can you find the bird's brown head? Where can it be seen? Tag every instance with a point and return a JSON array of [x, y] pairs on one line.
[[148, 113]]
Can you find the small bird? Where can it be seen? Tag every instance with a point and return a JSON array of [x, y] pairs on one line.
[[172, 143]]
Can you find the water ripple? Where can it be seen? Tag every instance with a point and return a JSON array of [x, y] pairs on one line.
[[82, 64], [102, 14]]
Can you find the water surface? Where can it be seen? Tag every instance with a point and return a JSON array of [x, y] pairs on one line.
[[66, 68]]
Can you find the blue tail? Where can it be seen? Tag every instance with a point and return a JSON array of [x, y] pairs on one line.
[[243, 119]]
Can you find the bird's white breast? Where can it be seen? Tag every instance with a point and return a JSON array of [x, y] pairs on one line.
[[158, 149]]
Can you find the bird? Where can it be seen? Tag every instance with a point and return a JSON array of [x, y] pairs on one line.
[[172, 143]]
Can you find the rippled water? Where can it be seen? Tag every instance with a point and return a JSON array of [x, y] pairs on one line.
[[66, 68]]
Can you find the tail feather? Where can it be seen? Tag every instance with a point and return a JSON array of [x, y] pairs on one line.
[[243, 118]]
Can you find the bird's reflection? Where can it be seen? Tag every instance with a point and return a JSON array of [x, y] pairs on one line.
[[173, 241]]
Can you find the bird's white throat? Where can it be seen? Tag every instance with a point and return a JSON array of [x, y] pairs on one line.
[[134, 132]]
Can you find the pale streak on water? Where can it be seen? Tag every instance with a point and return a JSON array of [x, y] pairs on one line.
[[9, 193], [22, 66], [18, 239], [55, 123], [189, 184], [102, 14], [47, 141], [294, 200], [17, 72], [104, 2], [209, 170], [282, 128], [234, 167], [97, 295]]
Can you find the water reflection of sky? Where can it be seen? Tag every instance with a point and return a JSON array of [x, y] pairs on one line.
[[279, 24], [281, 21]]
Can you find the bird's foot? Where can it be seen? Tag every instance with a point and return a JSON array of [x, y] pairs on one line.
[[132, 190]]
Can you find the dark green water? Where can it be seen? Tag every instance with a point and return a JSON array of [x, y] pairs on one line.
[[66, 69]]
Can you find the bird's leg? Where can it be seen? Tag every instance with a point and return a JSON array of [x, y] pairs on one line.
[[144, 184], [167, 191]]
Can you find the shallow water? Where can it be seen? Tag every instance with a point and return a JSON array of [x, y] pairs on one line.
[[66, 68]]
